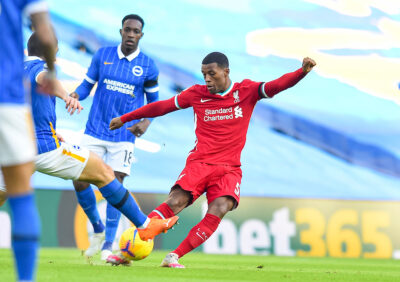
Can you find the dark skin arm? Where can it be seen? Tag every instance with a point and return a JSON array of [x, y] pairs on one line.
[[138, 129]]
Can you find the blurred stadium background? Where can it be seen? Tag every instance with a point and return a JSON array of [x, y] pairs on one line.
[[321, 167]]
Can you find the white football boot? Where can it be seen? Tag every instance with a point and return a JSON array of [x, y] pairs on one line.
[[96, 242], [171, 260]]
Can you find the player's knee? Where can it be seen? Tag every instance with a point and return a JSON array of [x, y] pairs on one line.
[[178, 199], [105, 175], [221, 206]]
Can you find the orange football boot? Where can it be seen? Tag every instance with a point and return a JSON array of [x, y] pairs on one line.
[[156, 226]]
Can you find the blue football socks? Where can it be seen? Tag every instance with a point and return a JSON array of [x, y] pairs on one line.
[[25, 234], [113, 216], [122, 200], [87, 200]]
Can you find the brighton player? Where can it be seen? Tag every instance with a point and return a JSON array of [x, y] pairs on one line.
[[222, 112], [124, 76], [17, 145], [66, 161]]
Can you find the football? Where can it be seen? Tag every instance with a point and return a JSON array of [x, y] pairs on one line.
[[132, 247]]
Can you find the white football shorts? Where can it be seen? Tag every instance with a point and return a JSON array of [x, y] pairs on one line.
[[67, 161], [17, 137], [118, 155]]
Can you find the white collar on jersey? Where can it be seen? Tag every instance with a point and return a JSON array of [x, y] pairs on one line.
[[227, 90], [32, 58], [130, 57]]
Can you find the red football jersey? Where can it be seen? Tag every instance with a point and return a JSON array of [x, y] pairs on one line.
[[221, 120]]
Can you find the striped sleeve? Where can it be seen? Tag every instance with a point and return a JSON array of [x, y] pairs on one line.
[[151, 83], [92, 74], [183, 100], [261, 91], [270, 89]]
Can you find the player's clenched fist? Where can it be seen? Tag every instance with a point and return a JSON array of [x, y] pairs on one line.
[[308, 64], [116, 123]]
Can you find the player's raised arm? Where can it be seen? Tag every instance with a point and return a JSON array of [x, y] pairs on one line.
[[154, 109], [270, 89], [48, 41], [45, 33]]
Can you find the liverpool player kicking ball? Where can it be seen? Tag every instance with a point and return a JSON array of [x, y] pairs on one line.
[[222, 112]]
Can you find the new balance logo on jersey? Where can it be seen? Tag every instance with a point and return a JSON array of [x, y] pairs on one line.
[[238, 112], [236, 96]]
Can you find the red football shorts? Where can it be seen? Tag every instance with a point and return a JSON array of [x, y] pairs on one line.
[[214, 180]]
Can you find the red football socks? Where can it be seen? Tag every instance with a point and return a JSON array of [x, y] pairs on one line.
[[198, 234], [162, 211]]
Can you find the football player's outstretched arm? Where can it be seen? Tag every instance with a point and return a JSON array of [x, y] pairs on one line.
[[71, 104], [151, 110], [139, 128], [270, 89]]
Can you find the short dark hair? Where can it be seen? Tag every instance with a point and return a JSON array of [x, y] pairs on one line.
[[216, 57], [35, 46], [133, 17]]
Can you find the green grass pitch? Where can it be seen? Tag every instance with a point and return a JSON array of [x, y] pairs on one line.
[[59, 265]]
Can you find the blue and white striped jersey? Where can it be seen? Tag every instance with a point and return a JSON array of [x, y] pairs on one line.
[[43, 107], [11, 47], [122, 83]]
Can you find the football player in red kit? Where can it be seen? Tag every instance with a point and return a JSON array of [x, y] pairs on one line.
[[222, 112]]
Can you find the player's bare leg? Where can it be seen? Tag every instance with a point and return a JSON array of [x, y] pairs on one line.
[[17, 178], [3, 195], [80, 185], [95, 172], [217, 209], [177, 200]]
